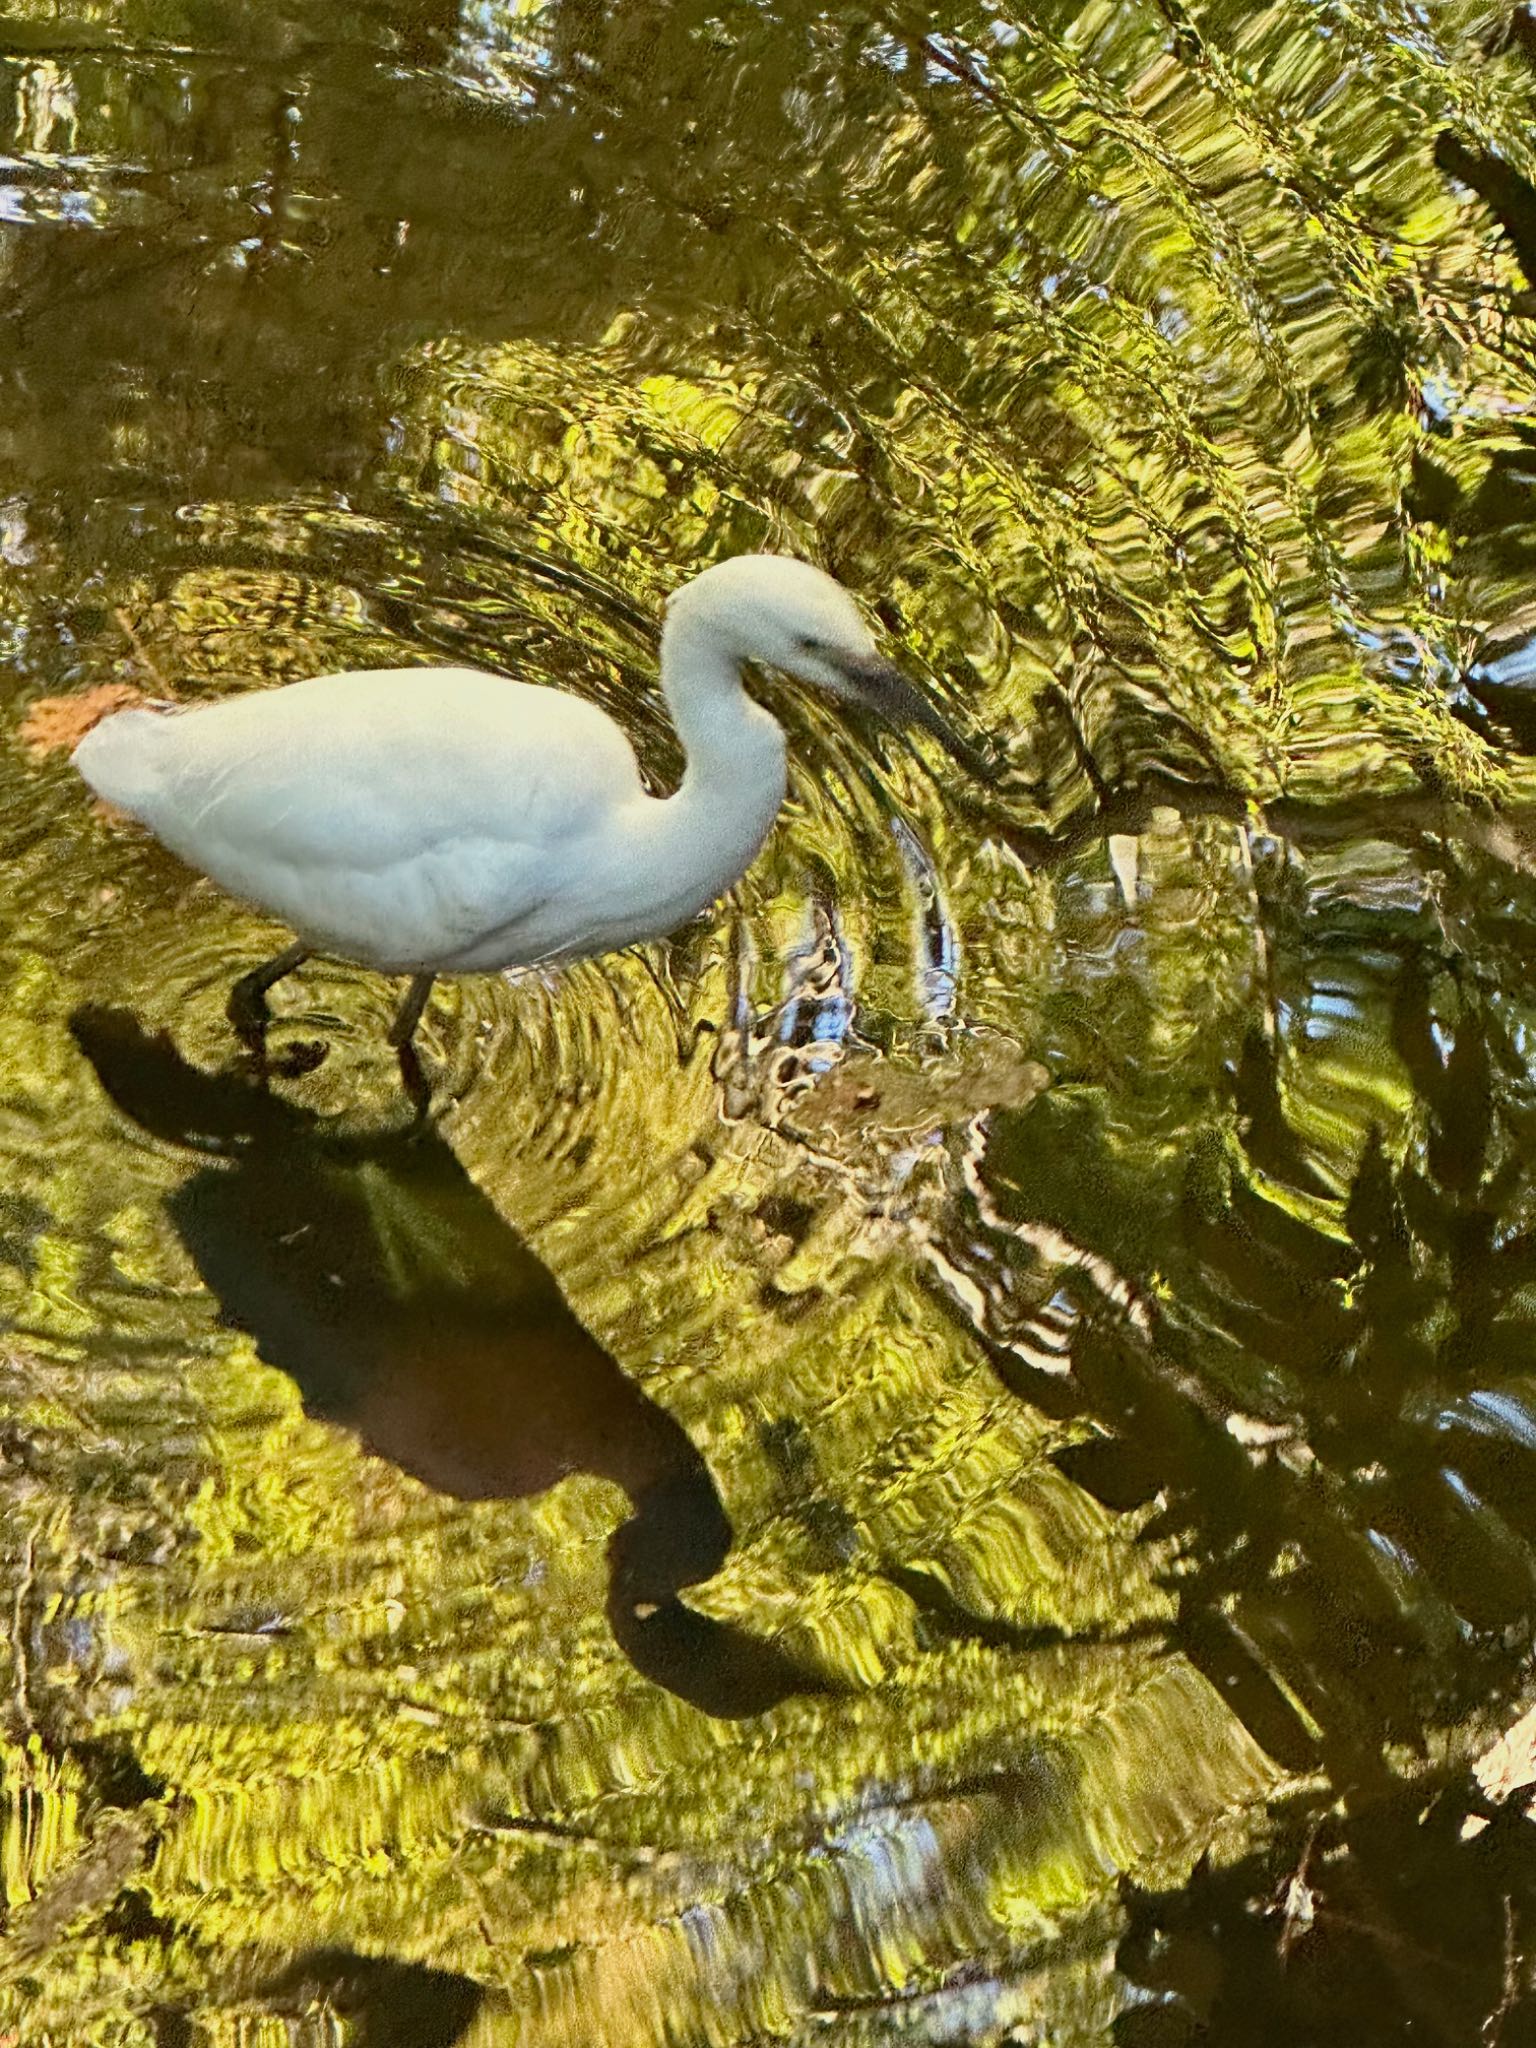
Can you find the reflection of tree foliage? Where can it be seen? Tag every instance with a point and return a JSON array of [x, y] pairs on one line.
[[1329, 1396], [1153, 373], [961, 285], [1380, 1923]]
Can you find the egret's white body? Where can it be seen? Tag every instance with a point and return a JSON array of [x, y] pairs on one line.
[[430, 821]]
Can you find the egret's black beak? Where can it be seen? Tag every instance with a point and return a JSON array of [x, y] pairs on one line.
[[884, 690]]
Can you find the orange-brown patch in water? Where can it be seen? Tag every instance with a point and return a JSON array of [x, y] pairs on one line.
[[58, 724]]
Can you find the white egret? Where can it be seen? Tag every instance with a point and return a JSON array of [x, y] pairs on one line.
[[428, 821]]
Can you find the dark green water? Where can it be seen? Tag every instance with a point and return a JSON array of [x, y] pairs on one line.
[[948, 1456]]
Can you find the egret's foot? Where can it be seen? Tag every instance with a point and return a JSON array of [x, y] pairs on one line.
[[408, 1016], [249, 1016], [247, 1009], [302, 1057]]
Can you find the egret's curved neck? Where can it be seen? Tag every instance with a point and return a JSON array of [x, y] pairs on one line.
[[734, 781]]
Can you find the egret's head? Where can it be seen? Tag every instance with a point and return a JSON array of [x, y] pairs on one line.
[[796, 618]]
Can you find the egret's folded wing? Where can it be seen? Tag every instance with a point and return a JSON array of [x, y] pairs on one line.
[[365, 769], [387, 812]]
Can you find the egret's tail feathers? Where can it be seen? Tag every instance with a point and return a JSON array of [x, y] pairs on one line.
[[121, 758]]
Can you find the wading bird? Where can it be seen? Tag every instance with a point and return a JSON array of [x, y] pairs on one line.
[[426, 821]]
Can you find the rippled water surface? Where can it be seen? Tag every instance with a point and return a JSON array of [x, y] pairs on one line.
[[947, 1456]]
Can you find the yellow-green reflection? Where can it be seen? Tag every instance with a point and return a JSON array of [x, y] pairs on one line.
[[971, 1417]]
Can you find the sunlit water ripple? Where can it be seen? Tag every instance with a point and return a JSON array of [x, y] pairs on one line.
[[944, 1456]]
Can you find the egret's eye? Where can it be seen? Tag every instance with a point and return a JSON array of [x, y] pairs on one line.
[[809, 644]]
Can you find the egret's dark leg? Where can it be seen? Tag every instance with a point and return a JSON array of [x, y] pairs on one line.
[[413, 1079], [408, 1016], [402, 1036], [247, 1007]]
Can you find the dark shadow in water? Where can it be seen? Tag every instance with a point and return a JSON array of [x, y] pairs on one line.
[[377, 1275], [389, 2004], [1375, 1926]]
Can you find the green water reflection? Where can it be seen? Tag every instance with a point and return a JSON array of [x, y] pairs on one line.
[[948, 1456]]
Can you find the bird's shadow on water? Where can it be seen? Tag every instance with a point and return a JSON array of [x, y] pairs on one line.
[[376, 1274]]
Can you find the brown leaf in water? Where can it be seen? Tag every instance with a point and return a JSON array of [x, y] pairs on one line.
[[56, 725]]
